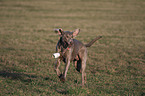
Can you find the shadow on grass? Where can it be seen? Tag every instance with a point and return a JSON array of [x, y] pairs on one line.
[[62, 91], [143, 94], [17, 76], [61, 88]]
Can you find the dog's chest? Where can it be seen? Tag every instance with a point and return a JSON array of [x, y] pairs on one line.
[[70, 51]]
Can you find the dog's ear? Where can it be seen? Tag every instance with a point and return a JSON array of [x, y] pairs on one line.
[[76, 32], [59, 31]]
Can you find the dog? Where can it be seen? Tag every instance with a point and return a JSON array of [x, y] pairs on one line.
[[71, 50]]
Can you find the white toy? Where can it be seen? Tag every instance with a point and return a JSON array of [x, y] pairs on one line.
[[56, 55]]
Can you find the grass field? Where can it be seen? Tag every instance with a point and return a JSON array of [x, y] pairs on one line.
[[116, 63]]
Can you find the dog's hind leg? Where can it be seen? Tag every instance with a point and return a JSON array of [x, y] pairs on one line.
[[83, 57], [78, 65], [83, 67]]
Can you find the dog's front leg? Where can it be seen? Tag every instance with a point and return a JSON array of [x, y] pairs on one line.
[[66, 68], [62, 78], [56, 67]]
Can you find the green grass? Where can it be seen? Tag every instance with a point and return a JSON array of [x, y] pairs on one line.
[[115, 65]]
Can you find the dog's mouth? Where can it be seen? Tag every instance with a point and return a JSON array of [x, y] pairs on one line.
[[68, 41]]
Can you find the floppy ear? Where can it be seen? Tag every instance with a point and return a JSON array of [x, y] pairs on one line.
[[59, 31], [76, 32]]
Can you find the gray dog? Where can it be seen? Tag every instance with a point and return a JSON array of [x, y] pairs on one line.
[[72, 50]]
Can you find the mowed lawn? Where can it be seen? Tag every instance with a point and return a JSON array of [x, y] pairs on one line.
[[116, 63]]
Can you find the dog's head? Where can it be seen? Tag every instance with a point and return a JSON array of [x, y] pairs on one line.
[[67, 36]]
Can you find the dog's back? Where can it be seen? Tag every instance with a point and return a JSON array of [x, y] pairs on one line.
[[77, 45]]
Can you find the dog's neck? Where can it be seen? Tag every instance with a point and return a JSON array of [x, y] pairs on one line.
[[64, 46]]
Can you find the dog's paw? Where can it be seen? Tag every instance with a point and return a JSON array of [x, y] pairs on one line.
[[61, 77]]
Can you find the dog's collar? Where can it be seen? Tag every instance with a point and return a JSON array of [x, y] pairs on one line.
[[68, 47]]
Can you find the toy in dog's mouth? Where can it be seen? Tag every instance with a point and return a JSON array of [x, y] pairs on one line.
[[56, 55]]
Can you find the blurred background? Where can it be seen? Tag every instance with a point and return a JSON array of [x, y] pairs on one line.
[[115, 65]]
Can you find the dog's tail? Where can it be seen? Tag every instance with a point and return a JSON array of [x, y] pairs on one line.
[[94, 40]]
